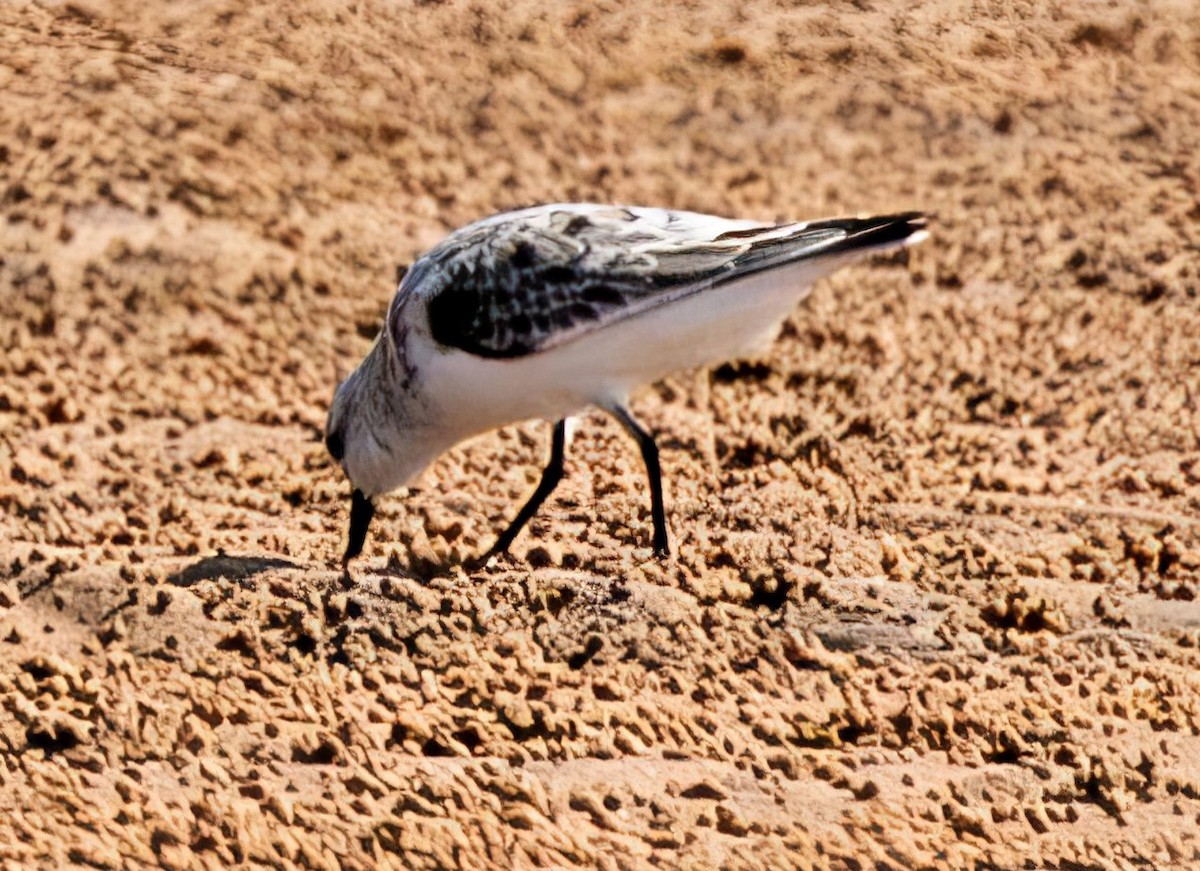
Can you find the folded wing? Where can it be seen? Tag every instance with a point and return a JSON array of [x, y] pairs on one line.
[[526, 281]]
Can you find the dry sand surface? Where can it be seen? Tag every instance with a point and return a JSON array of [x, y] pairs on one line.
[[934, 601]]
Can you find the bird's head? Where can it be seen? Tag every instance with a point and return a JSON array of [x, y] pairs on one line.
[[368, 433], [347, 443]]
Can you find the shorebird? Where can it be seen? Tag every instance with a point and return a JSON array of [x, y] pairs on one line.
[[542, 312]]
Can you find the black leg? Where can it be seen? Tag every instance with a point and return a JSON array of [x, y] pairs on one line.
[[550, 478], [362, 510], [650, 458]]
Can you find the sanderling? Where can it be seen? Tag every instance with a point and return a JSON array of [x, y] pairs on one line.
[[541, 312]]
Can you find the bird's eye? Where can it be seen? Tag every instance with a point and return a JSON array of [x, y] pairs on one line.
[[333, 444]]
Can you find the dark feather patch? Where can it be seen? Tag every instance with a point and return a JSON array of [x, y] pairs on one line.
[[508, 288]]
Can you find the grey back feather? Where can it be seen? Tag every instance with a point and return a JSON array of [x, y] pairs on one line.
[[526, 281]]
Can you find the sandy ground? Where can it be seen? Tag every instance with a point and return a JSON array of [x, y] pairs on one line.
[[934, 602]]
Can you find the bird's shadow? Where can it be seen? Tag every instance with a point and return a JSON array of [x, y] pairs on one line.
[[223, 565], [426, 570]]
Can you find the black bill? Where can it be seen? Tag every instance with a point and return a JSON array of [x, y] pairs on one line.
[[361, 512]]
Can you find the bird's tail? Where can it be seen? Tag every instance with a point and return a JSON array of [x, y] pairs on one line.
[[880, 232], [832, 242]]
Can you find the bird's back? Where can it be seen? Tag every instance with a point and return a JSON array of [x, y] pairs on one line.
[[523, 282]]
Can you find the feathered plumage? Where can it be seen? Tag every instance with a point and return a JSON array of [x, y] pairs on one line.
[[541, 312]]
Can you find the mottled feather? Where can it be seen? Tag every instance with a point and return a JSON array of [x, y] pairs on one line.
[[526, 281]]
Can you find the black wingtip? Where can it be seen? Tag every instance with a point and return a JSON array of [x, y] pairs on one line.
[[362, 510], [878, 231]]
